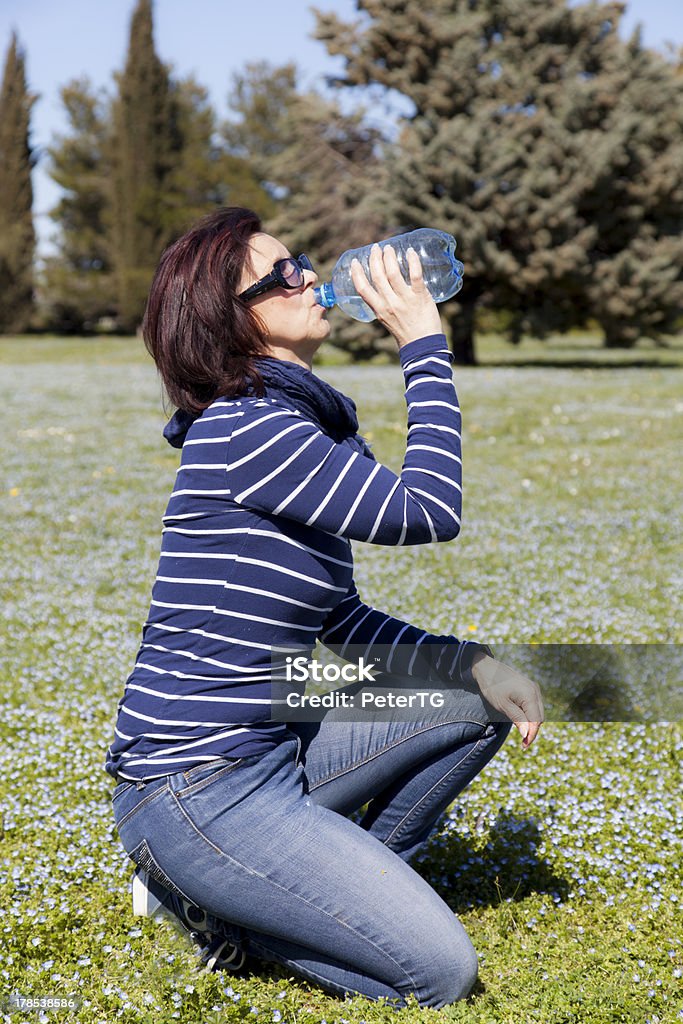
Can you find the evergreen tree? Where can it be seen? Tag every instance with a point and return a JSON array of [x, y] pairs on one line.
[[323, 170], [505, 146], [78, 280], [17, 236], [634, 285], [145, 142], [91, 276], [205, 175], [260, 98]]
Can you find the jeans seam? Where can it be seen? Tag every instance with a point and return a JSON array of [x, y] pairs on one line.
[[143, 856], [277, 885], [383, 750], [436, 785], [295, 965], [145, 800], [115, 796], [216, 775]]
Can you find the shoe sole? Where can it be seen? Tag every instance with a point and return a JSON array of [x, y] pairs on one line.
[[145, 903]]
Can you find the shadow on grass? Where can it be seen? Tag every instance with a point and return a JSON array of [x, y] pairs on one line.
[[480, 871]]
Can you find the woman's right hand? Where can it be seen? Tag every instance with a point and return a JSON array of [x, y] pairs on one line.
[[512, 694], [408, 311]]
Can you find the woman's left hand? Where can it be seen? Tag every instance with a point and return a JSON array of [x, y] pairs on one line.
[[408, 311], [511, 693]]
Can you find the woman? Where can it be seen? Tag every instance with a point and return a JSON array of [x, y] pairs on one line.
[[236, 817]]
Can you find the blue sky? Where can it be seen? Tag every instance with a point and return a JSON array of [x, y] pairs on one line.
[[210, 38]]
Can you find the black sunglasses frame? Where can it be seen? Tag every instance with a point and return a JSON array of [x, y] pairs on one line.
[[277, 279]]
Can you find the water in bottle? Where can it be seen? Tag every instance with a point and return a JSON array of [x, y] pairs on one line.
[[441, 271]]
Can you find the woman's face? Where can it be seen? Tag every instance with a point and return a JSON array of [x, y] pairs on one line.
[[295, 324]]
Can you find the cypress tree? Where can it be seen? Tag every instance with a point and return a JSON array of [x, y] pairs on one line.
[[145, 140], [78, 281], [106, 256], [17, 236]]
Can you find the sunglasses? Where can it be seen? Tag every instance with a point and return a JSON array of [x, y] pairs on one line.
[[287, 273]]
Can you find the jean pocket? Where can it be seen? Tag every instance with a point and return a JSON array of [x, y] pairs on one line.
[[120, 789], [125, 810], [198, 778], [200, 770]]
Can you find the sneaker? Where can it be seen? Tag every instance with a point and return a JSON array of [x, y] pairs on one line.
[[150, 898], [220, 954]]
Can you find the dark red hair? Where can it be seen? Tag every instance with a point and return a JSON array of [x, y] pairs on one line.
[[203, 339]]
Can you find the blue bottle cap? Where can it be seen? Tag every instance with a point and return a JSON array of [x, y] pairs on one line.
[[324, 295]]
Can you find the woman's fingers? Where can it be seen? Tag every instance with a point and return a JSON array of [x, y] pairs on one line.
[[513, 694], [393, 270], [378, 272], [527, 728], [407, 310], [415, 270], [532, 733], [386, 278], [362, 284], [532, 716]]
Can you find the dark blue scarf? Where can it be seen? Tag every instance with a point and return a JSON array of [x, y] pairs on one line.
[[297, 388]]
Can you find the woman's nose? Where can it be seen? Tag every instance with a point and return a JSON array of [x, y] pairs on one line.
[[310, 277]]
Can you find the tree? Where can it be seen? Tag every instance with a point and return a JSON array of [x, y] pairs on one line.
[[323, 170], [107, 247], [17, 235], [205, 175], [260, 97], [145, 142], [504, 147], [635, 285], [78, 280]]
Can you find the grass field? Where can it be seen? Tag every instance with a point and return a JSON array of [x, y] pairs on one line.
[[564, 863]]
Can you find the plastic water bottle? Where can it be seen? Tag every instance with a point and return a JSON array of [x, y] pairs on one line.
[[441, 271]]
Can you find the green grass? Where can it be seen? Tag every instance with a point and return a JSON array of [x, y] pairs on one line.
[[563, 863]]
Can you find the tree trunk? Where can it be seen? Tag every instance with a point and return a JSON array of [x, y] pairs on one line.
[[619, 335], [461, 325]]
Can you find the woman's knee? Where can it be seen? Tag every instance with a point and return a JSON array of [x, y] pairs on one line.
[[444, 969], [453, 976]]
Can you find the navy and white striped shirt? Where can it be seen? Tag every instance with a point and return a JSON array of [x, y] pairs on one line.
[[256, 557]]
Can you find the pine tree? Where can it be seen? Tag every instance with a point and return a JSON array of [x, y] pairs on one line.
[[505, 146], [635, 285], [260, 97], [204, 174], [145, 142], [17, 236], [323, 170], [78, 280]]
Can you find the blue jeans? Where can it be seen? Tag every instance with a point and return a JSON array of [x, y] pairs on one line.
[[263, 843]]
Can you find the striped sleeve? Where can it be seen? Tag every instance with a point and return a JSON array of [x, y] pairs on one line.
[[355, 629], [282, 464]]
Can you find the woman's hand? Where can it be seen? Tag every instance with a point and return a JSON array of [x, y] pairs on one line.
[[511, 693], [406, 310]]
